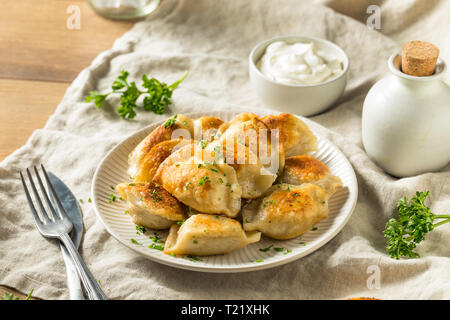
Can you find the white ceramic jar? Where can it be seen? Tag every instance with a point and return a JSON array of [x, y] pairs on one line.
[[406, 121]]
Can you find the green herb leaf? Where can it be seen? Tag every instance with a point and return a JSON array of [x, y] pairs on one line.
[[9, 296], [203, 180], [266, 249], [414, 221], [170, 122], [112, 198], [156, 246], [141, 229], [134, 241], [29, 294], [158, 95]]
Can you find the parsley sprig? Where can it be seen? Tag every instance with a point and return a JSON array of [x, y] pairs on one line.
[[414, 221], [158, 95]]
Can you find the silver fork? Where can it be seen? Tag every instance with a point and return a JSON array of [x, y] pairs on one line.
[[58, 225]]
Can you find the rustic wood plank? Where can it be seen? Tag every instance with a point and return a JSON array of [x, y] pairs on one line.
[[24, 107], [36, 44]]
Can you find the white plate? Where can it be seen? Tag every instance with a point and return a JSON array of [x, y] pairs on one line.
[[113, 170]]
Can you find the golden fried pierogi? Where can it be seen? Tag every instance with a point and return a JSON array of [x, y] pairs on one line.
[[204, 234], [306, 169], [286, 211], [151, 206]]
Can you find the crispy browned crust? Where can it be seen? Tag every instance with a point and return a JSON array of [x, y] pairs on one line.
[[158, 135], [305, 168], [210, 123], [155, 197], [294, 135], [282, 122], [284, 202], [150, 164]]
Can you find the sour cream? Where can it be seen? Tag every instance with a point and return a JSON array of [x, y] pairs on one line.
[[298, 63]]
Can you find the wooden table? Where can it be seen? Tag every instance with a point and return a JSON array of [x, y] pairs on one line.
[[39, 57]]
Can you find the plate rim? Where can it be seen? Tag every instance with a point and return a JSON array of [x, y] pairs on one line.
[[229, 269]]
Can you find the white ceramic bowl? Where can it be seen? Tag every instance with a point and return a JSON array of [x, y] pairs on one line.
[[301, 99]]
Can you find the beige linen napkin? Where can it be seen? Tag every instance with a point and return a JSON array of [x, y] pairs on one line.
[[212, 39]]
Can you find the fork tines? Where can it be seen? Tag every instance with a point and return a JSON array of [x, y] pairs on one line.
[[45, 216]]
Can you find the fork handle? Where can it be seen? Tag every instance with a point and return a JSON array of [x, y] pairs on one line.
[[93, 290]]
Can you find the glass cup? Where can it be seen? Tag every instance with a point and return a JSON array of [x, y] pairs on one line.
[[124, 9]]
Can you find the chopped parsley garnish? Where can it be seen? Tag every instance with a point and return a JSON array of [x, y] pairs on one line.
[[314, 229], [220, 180], [134, 241], [81, 201], [203, 143], [278, 249], [112, 198], [203, 180], [187, 185], [287, 251], [180, 223], [170, 122], [195, 242], [259, 260], [266, 249], [156, 246], [193, 258], [268, 202], [132, 184], [112, 187], [141, 229], [89, 200], [173, 254], [156, 238], [214, 170], [155, 196], [228, 184]]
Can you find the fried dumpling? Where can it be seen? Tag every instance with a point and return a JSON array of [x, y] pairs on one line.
[[206, 186], [252, 176], [204, 234], [294, 135], [206, 128], [169, 130], [247, 129], [148, 166], [151, 206], [286, 211], [304, 169]]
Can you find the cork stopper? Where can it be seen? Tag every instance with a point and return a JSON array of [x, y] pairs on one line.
[[419, 58]]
